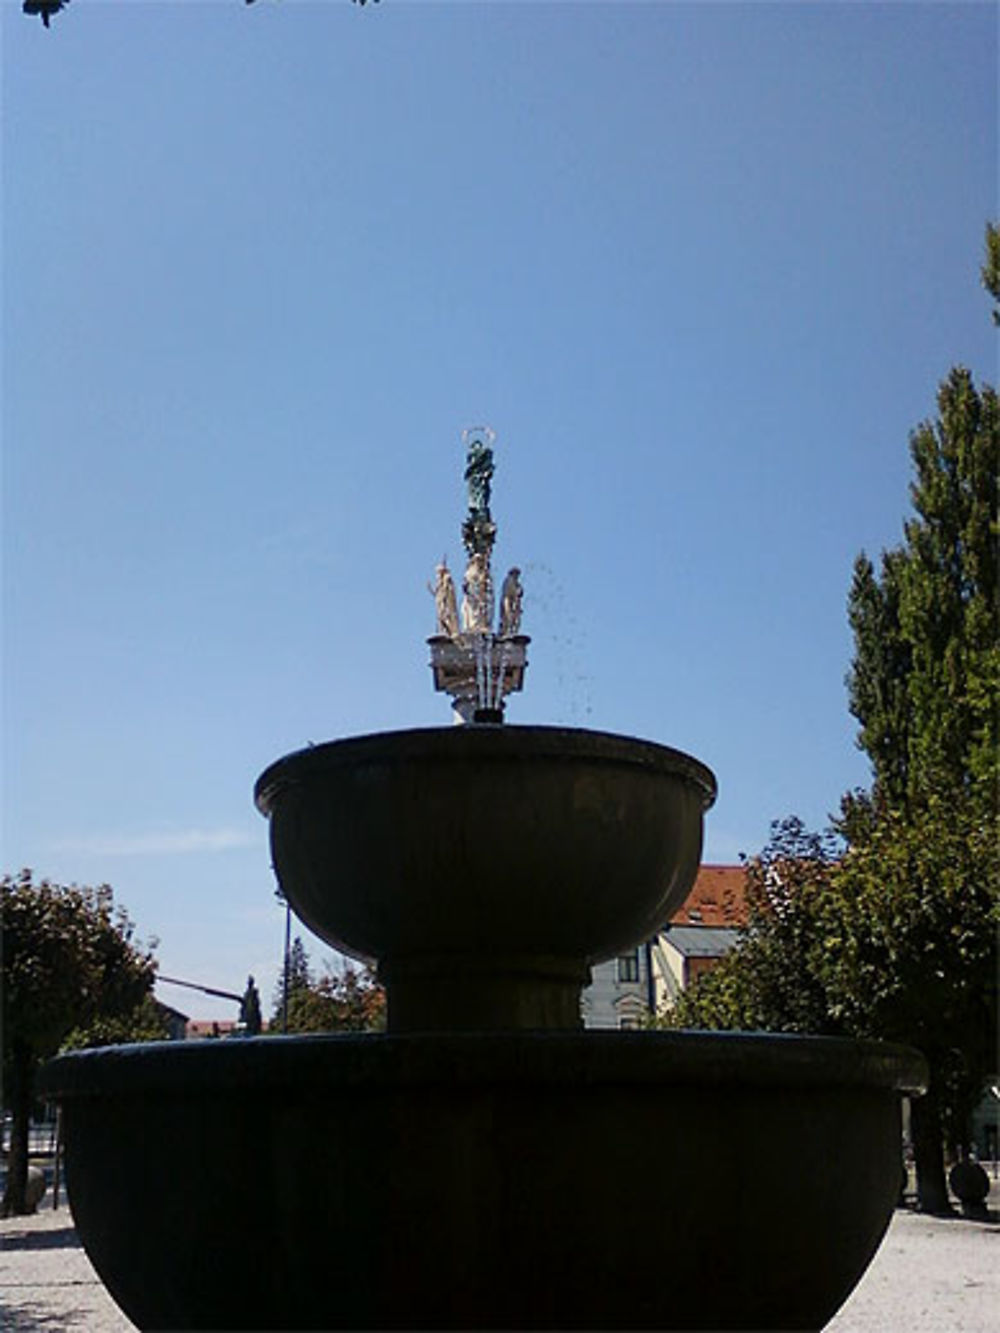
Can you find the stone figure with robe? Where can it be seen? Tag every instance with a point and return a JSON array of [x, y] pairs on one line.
[[445, 601], [510, 604], [476, 587]]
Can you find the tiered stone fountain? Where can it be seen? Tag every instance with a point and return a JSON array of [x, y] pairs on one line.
[[484, 1163]]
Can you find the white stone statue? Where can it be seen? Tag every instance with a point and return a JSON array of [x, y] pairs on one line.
[[445, 601], [510, 604], [476, 587]]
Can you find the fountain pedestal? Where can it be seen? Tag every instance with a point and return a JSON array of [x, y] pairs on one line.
[[454, 671], [435, 993]]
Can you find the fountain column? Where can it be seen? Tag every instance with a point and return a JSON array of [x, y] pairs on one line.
[[477, 993], [478, 655]]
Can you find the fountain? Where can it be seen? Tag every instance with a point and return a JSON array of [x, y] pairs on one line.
[[473, 663], [484, 1163]]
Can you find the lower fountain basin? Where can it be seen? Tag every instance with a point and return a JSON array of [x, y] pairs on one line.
[[504, 1180]]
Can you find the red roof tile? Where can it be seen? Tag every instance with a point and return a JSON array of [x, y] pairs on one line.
[[210, 1027], [718, 898]]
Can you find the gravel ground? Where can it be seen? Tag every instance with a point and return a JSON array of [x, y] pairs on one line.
[[46, 1281], [931, 1275]]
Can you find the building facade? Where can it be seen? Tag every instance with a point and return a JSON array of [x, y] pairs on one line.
[[627, 991]]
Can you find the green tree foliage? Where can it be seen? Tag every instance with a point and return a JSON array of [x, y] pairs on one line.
[[73, 972], [295, 976], [299, 973], [146, 1022], [878, 680], [911, 956], [924, 680], [348, 1001], [892, 936], [771, 982], [896, 937], [990, 271], [921, 878]]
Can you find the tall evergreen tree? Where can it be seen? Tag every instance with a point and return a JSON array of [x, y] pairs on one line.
[[343, 1001], [877, 681], [990, 271], [898, 938], [923, 684], [924, 687], [295, 977]]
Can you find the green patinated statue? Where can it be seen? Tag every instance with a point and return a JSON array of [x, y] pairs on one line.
[[479, 474]]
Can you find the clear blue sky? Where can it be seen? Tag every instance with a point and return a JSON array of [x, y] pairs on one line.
[[700, 266]]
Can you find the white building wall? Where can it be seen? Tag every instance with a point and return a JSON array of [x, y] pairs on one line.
[[613, 999], [671, 974]]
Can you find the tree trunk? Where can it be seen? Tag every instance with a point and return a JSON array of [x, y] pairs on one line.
[[21, 1071], [928, 1152]]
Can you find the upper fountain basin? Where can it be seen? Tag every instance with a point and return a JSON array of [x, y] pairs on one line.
[[497, 841]]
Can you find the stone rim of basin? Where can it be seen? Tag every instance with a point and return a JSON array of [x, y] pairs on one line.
[[497, 741], [539, 1058]]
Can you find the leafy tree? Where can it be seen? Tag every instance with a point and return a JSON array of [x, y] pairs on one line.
[[351, 1001], [990, 272], [146, 1022], [893, 936], [877, 681], [927, 659], [771, 981], [348, 1001], [897, 936], [924, 687], [295, 977], [72, 972], [911, 956]]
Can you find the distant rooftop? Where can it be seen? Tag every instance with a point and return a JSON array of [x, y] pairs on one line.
[[702, 941], [718, 898], [210, 1027]]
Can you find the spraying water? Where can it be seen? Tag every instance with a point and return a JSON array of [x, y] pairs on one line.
[[478, 657]]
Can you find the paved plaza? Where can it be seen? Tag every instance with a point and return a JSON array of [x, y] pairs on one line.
[[931, 1275]]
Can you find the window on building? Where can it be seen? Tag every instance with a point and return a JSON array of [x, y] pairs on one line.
[[628, 966], [628, 1023]]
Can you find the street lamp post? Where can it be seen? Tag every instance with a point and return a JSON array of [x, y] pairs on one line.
[[284, 979]]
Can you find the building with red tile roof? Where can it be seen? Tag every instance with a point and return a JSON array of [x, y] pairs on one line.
[[625, 991], [718, 898]]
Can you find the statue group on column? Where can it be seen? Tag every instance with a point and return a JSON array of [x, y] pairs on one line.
[[476, 598]]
